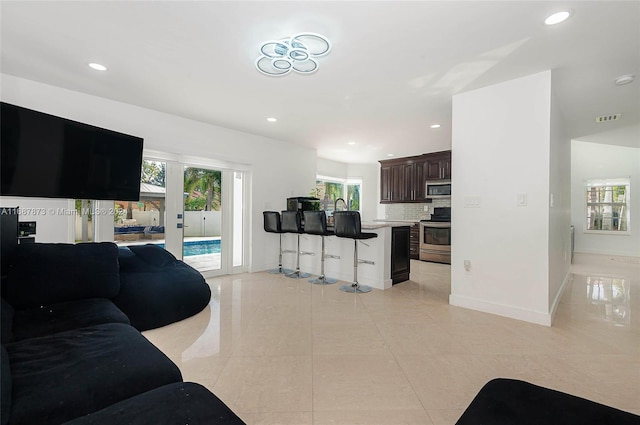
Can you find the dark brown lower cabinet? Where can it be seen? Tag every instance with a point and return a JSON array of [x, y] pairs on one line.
[[400, 254]]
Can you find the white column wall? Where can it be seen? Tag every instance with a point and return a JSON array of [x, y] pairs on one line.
[[559, 203], [500, 148], [278, 169]]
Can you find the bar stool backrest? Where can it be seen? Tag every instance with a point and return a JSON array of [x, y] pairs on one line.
[[347, 223], [315, 222], [271, 221], [291, 222]]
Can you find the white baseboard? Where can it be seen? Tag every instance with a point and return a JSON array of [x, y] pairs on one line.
[[556, 301], [537, 317]]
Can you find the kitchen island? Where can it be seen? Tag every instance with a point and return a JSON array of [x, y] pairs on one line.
[[380, 268]]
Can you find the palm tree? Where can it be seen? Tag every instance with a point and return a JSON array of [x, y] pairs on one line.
[[207, 182]]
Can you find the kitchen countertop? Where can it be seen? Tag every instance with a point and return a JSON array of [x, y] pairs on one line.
[[378, 224]]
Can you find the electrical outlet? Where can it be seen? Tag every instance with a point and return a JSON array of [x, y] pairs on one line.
[[426, 208], [467, 265]]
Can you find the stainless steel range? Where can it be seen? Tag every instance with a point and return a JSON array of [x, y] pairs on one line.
[[435, 236]]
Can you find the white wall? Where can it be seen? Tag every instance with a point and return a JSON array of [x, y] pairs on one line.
[[272, 163], [329, 168], [501, 147], [597, 161], [55, 218]]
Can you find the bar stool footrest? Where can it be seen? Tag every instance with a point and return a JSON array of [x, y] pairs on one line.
[[323, 280], [355, 288], [280, 271], [298, 275]]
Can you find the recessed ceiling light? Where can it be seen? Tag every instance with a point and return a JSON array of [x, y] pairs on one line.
[[557, 17], [271, 119], [435, 125], [97, 66], [625, 79], [351, 143], [389, 154]]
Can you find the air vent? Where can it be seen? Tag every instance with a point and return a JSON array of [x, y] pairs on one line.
[[607, 118]]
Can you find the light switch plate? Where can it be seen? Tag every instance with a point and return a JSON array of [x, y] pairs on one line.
[[472, 202], [521, 200]]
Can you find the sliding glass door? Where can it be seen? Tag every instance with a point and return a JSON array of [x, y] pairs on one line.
[[202, 229], [193, 210]]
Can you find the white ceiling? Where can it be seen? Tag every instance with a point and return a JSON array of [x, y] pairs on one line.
[[392, 71]]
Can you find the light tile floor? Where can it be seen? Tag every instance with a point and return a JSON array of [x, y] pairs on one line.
[[284, 351]]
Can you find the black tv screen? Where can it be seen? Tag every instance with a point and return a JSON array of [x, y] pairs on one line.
[[52, 157]]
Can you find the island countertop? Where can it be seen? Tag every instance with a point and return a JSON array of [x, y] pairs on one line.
[[373, 225]]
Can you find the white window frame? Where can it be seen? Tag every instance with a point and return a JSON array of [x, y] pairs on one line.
[[627, 205]]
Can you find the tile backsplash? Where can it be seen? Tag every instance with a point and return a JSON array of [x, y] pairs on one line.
[[413, 211]]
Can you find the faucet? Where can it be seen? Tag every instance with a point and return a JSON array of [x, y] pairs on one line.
[[335, 205]]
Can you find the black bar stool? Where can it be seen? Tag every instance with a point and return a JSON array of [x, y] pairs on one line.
[[292, 223], [315, 223], [272, 225], [348, 225]]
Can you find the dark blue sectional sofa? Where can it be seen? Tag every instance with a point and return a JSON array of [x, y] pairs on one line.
[[69, 351]]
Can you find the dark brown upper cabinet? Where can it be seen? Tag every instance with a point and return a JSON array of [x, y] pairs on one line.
[[403, 179], [439, 166]]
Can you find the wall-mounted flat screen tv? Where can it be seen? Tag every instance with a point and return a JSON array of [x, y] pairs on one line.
[[47, 156]]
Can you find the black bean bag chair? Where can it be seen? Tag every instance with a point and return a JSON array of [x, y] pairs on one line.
[[513, 402], [157, 289]]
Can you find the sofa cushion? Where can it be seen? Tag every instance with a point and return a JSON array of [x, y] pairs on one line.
[[6, 311], [5, 388], [65, 316], [179, 403], [69, 374], [48, 273]]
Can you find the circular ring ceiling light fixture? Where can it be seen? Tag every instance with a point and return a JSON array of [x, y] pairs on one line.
[[297, 53]]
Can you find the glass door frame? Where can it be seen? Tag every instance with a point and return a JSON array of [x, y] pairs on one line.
[[174, 226], [174, 210]]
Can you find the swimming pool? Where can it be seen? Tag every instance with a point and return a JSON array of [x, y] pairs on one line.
[[210, 246]]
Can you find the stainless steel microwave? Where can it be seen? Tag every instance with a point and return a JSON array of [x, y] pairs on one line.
[[438, 189]]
